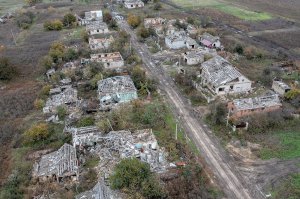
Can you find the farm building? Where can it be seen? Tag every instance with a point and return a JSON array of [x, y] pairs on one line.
[[243, 107], [118, 89], [198, 56], [220, 77], [91, 16]]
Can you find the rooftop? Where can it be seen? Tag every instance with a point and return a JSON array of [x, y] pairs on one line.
[[106, 57], [96, 25], [219, 71], [257, 102], [177, 36], [209, 37], [62, 162]]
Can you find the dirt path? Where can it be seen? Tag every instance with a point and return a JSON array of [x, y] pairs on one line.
[[282, 30]]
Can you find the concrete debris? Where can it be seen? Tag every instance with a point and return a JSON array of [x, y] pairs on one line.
[[50, 72], [60, 97], [100, 43], [57, 165], [85, 136], [142, 144], [100, 191], [114, 90], [194, 57]]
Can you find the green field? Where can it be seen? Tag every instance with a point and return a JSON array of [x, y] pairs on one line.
[[288, 147], [10, 5], [226, 8]]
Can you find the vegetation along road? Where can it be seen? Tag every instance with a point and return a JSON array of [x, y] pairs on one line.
[[233, 184]]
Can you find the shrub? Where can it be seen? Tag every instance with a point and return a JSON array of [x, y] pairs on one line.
[[46, 62], [143, 33], [44, 93], [157, 6], [57, 51], [85, 121], [239, 49], [39, 104], [69, 20], [24, 20], [37, 133], [33, 2], [133, 20], [136, 176], [7, 71], [70, 55], [53, 25], [61, 112]]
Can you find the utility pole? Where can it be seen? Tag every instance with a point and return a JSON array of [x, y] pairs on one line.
[[13, 36]]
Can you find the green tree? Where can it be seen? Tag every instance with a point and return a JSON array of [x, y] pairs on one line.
[[7, 71], [86, 121], [61, 112], [136, 175], [69, 20]]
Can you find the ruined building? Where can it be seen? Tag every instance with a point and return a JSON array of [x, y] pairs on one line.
[[109, 60], [57, 165], [118, 89], [242, 107], [220, 77]]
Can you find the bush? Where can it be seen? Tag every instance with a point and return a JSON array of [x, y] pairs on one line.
[[7, 71], [217, 114], [133, 20], [33, 2], [157, 6], [69, 20], [239, 49], [38, 132], [136, 176], [86, 121], [70, 55], [61, 112], [57, 51], [46, 62], [39, 104], [24, 20], [53, 25]]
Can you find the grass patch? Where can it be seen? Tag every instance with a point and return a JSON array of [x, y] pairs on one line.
[[91, 162], [289, 189], [227, 8], [289, 147], [10, 5]]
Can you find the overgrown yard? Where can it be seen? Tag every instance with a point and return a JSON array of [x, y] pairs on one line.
[[288, 146], [228, 8]]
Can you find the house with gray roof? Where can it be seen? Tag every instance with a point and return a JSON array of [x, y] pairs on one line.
[[220, 77]]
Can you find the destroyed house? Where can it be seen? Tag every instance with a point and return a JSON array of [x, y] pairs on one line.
[[176, 40], [210, 41], [109, 60], [154, 22], [97, 27], [100, 43], [85, 136], [91, 16], [191, 43], [280, 87], [61, 97], [142, 144], [193, 57], [130, 4], [57, 165], [243, 107], [118, 89], [99, 191], [220, 77]]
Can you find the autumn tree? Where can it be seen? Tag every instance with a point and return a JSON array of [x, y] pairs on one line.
[[57, 51], [133, 20], [37, 132], [55, 24]]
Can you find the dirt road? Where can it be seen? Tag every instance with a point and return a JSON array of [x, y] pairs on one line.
[[222, 165]]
